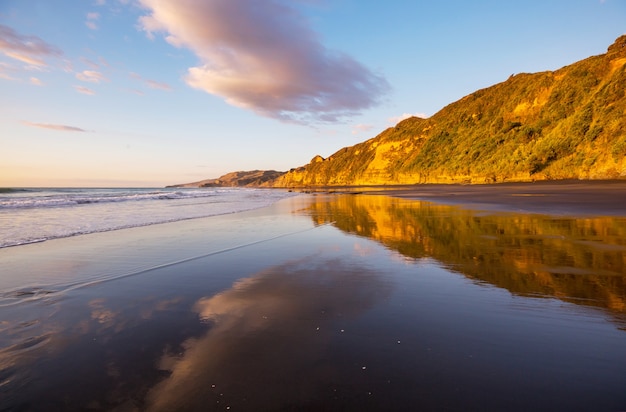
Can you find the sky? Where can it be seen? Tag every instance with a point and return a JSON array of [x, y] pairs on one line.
[[148, 93]]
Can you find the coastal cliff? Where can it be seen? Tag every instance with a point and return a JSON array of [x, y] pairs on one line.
[[252, 178], [563, 124]]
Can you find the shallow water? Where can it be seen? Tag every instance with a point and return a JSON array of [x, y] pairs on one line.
[[321, 303]]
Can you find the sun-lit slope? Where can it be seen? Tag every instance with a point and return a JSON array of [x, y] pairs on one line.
[[570, 123]]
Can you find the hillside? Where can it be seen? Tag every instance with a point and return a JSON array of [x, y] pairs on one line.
[[563, 124], [236, 179]]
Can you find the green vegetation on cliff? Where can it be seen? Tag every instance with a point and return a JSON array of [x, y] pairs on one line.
[[566, 124]]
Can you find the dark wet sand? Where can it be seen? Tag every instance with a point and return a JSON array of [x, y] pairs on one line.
[[605, 198], [328, 302]]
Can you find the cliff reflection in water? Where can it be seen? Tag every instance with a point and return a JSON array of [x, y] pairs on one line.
[[579, 260]]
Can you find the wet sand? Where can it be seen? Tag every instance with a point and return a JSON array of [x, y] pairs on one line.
[[549, 197], [322, 302]]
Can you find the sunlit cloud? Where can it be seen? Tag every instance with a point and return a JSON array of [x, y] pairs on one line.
[[35, 81], [90, 76], [84, 90], [60, 127], [27, 49], [397, 119], [264, 58]]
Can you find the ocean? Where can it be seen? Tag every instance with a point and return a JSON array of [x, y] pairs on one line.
[[39, 214]]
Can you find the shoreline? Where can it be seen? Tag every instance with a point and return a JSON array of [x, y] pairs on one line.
[[565, 197]]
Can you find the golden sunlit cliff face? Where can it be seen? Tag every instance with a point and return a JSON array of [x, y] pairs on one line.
[[566, 124], [579, 260]]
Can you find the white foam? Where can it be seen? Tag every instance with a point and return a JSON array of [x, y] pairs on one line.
[[40, 215]]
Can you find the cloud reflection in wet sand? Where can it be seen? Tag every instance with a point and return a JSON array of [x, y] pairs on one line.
[[266, 346]]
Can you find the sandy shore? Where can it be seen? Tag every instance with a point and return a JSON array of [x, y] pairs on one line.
[[605, 198], [326, 302]]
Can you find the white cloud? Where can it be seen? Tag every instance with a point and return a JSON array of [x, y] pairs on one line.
[[27, 49], [397, 119], [264, 57], [90, 76]]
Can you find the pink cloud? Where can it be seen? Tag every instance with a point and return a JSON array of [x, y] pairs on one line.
[[153, 84], [84, 90], [35, 81], [158, 85], [362, 128], [264, 57], [27, 49], [90, 76], [60, 127]]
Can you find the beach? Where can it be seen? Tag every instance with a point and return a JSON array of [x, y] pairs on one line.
[[505, 297]]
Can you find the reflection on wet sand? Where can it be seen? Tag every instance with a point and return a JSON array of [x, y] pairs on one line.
[[266, 346], [579, 260]]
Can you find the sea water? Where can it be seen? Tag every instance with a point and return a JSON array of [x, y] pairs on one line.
[[39, 214]]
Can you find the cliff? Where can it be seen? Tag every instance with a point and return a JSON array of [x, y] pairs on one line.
[[253, 178], [563, 124]]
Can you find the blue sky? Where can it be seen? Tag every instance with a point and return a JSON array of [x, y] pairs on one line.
[[157, 92]]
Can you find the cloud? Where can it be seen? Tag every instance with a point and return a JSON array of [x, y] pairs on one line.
[[90, 63], [362, 128], [27, 49], [264, 57], [397, 119], [262, 324], [35, 81], [60, 127], [84, 90], [153, 84], [90, 76], [92, 17], [158, 85]]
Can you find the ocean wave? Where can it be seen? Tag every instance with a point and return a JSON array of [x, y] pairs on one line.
[[46, 216], [44, 199]]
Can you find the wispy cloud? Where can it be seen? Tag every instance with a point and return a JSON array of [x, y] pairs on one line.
[[362, 128], [27, 49], [92, 18], [90, 76], [158, 85], [90, 63], [60, 127], [264, 57], [5, 69], [397, 119], [84, 90], [153, 84], [35, 81]]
